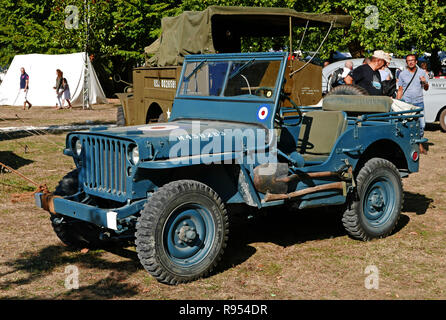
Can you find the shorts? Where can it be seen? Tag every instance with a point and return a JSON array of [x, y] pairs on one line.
[[23, 95]]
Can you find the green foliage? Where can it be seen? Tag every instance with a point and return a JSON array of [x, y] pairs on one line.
[[120, 29]]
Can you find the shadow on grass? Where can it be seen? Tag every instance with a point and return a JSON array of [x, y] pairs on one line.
[[432, 127], [36, 266], [281, 226], [52, 129], [12, 160], [415, 202]]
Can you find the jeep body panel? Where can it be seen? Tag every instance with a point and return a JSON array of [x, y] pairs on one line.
[[229, 119]]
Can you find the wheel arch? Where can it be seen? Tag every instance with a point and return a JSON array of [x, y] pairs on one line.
[[385, 149], [437, 117], [153, 112], [222, 178]]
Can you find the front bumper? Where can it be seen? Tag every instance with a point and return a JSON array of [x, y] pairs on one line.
[[107, 218]]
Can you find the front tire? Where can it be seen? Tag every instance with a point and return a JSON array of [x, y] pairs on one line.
[[375, 211], [74, 233], [182, 232]]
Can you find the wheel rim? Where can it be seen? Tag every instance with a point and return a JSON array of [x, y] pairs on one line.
[[188, 234], [379, 201]]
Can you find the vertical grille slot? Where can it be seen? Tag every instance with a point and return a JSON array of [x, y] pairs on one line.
[[105, 165]]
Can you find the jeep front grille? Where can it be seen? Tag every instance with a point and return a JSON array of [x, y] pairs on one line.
[[105, 164]]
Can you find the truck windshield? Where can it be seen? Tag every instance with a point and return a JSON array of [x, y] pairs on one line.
[[230, 78]]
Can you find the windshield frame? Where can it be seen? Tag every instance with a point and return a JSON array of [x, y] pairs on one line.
[[248, 59], [238, 108]]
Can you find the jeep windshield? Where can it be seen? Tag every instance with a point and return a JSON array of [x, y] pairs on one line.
[[238, 78]]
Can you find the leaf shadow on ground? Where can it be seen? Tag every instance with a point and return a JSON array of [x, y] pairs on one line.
[[12, 160], [37, 266]]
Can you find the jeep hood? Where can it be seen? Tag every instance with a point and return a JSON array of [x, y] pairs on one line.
[[183, 138]]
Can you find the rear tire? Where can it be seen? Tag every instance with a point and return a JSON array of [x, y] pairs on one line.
[[443, 120], [376, 208], [182, 232]]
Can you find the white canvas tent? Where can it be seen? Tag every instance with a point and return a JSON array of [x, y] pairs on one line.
[[41, 69]]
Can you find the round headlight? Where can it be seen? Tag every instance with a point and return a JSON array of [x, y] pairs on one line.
[[78, 147], [135, 155]]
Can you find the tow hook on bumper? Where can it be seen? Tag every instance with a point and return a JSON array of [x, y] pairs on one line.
[[46, 201]]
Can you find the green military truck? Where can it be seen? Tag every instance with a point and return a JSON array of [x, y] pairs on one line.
[[218, 30]]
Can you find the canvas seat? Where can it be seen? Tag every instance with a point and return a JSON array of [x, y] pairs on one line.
[[319, 132], [357, 105]]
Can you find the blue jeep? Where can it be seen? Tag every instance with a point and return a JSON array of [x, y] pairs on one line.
[[234, 137]]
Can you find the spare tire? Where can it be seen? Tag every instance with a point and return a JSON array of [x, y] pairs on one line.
[[120, 117], [349, 89]]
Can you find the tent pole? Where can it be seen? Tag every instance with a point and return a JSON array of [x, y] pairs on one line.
[[86, 89], [290, 55]]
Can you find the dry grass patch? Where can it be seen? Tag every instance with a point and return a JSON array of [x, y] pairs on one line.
[[279, 254]]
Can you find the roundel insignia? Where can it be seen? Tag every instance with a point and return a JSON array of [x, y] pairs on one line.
[[263, 112], [162, 127]]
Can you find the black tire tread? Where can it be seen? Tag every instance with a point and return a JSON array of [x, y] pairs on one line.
[[348, 89], [443, 120], [81, 234], [350, 218], [145, 244], [120, 117]]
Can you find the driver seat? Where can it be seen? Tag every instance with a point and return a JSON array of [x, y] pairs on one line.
[[319, 132]]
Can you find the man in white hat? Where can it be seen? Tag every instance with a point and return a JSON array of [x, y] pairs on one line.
[[367, 75]]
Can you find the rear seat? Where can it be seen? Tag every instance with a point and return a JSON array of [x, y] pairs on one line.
[[356, 105]]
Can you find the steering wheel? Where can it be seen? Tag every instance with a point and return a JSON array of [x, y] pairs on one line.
[[296, 107], [264, 92]]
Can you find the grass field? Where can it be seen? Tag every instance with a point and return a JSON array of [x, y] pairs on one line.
[[276, 255]]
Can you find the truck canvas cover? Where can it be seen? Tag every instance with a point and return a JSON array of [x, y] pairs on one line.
[[219, 29]]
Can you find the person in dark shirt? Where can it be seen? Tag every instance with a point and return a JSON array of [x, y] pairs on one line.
[[367, 75], [24, 87]]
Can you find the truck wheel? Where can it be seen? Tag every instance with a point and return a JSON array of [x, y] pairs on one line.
[[376, 210], [182, 232], [120, 117], [72, 232], [443, 120]]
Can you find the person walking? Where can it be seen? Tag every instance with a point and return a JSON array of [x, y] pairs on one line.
[[24, 87], [62, 91], [66, 93], [58, 88], [411, 83], [367, 75]]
